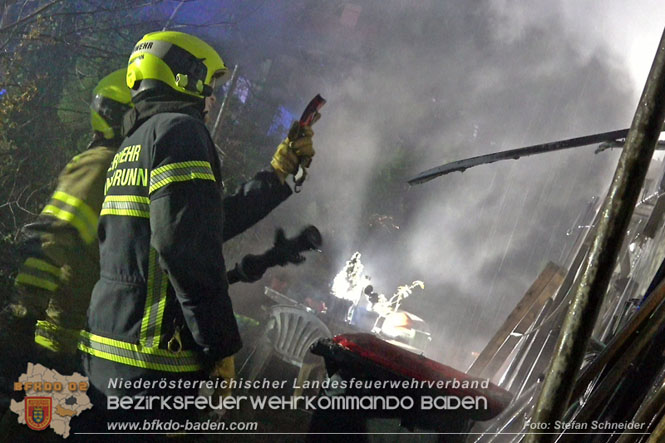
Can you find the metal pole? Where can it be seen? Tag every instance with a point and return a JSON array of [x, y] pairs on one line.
[[605, 388], [659, 433], [622, 341], [598, 268], [222, 107]]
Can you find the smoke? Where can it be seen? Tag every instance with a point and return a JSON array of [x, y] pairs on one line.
[[413, 85]]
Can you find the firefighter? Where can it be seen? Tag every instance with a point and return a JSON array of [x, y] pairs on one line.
[[55, 281], [161, 310]]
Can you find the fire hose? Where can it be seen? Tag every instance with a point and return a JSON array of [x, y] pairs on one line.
[[285, 250]]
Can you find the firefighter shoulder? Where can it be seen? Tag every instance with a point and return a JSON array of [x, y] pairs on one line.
[[161, 304], [62, 258]]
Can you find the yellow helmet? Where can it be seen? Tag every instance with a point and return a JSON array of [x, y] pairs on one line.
[[185, 63], [111, 98]]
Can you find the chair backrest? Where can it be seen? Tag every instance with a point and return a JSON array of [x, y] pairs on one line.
[[294, 330]]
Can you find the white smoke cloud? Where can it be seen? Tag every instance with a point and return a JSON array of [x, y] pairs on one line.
[[440, 81], [629, 30]]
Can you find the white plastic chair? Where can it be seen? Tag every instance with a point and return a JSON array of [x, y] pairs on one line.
[[288, 335]]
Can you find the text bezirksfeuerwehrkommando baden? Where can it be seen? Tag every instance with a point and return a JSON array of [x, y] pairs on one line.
[[275, 402]]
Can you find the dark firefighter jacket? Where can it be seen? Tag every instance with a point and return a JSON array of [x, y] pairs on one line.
[[161, 229], [62, 265]]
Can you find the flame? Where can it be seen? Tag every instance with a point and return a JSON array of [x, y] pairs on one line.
[[348, 281]]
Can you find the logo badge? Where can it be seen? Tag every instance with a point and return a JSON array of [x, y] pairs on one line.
[[38, 412]]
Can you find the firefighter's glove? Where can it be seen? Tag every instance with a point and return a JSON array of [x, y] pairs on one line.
[[223, 369], [290, 154]]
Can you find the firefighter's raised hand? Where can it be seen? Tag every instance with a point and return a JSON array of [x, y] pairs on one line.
[[290, 154]]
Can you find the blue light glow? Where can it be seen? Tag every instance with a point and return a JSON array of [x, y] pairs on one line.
[[281, 122]]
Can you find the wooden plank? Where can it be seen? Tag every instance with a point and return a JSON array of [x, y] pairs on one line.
[[533, 299], [513, 320], [503, 353], [549, 290]]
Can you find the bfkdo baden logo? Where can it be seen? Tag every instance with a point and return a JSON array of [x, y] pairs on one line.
[[51, 399], [38, 412]]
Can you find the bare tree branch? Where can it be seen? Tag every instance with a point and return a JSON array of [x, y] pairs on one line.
[[99, 10], [55, 108], [30, 16], [113, 28]]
